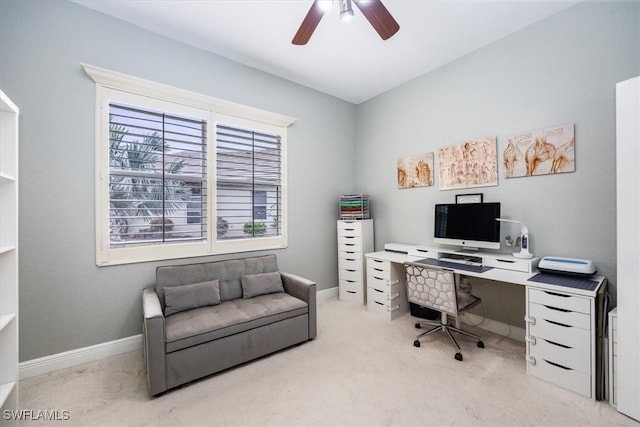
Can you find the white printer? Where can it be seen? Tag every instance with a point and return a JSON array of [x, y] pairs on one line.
[[571, 266]]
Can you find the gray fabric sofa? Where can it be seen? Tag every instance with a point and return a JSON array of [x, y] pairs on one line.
[[203, 318]]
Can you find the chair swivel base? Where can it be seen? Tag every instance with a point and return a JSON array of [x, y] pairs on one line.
[[437, 326]]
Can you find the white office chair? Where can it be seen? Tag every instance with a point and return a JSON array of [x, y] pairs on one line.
[[436, 288]]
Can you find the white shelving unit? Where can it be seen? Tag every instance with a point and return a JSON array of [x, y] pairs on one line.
[[628, 202], [8, 255]]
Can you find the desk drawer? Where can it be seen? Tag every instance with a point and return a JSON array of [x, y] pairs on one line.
[[352, 274], [563, 376], [349, 244], [508, 264], [389, 308], [385, 292], [350, 263], [570, 336], [379, 282], [577, 358], [351, 291], [349, 228], [559, 300], [559, 316], [378, 265]]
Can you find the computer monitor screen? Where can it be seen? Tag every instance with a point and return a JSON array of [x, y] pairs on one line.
[[470, 225]]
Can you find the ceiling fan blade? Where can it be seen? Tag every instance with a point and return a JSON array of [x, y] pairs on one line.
[[379, 17], [309, 24]]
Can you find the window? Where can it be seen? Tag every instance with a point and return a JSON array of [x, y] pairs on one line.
[[157, 177], [171, 163], [248, 177]]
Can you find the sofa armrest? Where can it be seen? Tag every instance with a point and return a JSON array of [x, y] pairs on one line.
[[153, 341], [305, 290]]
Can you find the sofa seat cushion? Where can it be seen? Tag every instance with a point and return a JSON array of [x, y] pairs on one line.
[[200, 325]]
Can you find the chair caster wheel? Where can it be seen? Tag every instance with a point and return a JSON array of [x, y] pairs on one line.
[[480, 344], [416, 343], [459, 357], [417, 325]]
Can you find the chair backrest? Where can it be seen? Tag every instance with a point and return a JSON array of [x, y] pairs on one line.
[[432, 287]]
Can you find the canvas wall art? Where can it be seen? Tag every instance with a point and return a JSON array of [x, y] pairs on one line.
[[540, 152], [467, 165], [415, 171]]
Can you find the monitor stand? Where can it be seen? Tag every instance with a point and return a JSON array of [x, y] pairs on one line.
[[468, 250]]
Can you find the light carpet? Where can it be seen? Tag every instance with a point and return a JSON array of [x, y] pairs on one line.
[[361, 370]]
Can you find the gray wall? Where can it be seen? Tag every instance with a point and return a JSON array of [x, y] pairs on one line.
[[66, 302], [560, 70]]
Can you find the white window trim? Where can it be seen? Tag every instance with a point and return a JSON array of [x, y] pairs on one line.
[[219, 111]]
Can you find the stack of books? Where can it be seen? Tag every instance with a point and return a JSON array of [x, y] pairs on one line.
[[354, 206]]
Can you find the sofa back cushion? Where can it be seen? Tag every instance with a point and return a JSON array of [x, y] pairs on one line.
[[227, 272]]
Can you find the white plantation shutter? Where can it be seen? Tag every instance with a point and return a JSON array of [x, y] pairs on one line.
[[171, 163], [157, 177], [248, 183]]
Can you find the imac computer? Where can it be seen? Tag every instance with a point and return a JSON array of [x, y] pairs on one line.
[[469, 225]]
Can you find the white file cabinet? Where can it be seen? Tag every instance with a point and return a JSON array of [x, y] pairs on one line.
[[386, 288], [355, 238], [561, 339]]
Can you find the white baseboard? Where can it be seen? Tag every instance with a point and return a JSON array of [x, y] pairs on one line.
[[326, 294], [494, 326], [67, 359]]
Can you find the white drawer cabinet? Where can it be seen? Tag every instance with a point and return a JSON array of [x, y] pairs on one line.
[[355, 238], [386, 288], [561, 339]]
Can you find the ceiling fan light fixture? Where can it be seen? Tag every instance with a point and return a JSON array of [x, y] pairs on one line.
[[325, 5], [346, 10]]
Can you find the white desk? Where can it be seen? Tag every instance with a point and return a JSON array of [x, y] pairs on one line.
[[563, 324]]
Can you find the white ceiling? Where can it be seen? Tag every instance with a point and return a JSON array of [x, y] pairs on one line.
[[346, 60]]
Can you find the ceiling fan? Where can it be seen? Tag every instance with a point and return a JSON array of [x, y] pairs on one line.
[[375, 12]]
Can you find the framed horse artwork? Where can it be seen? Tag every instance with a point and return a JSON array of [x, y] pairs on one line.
[[540, 152]]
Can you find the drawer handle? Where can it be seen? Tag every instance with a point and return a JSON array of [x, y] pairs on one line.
[[531, 340], [351, 281], [377, 290], [349, 237], [558, 309], [350, 244], [395, 282], [558, 365], [378, 269], [379, 303], [530, 319], [558, 344], [350, 270], [531, 360], [557, 294], [351, 292], [397, 307], [557, 323], [378, 260], [426, 251], [505, 260], [378, 278]]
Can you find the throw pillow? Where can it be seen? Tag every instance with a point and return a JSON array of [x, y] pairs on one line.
[[186, 297], [261, 284]]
